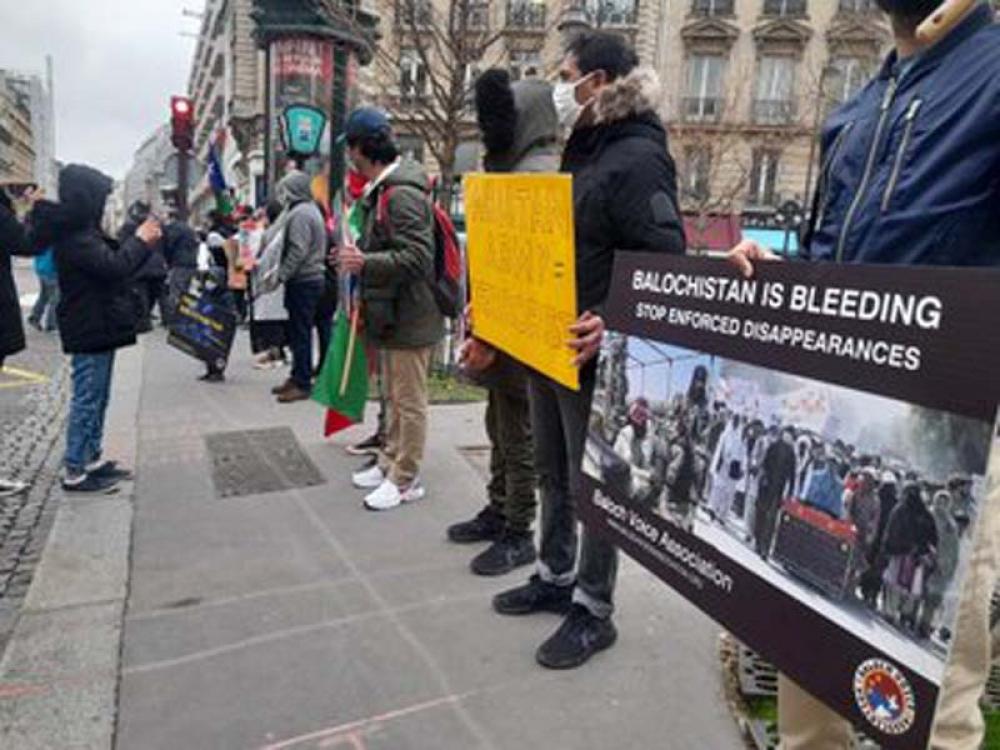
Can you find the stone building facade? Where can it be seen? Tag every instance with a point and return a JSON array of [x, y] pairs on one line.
[[749, 83], [227, 86]]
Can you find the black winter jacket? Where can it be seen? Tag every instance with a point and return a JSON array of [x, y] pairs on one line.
[[624, 185], [13, 241], [97, 311]]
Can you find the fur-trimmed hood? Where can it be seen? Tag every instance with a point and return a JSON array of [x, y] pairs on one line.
[[633, 94]]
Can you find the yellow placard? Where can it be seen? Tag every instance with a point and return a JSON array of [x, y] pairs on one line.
[[522, 267]]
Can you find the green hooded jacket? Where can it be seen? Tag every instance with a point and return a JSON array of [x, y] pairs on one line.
[[399, 307]]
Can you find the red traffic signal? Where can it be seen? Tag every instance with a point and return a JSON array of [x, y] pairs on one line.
[[182, 122]]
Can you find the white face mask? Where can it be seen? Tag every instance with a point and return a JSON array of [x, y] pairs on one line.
[[568, 110]]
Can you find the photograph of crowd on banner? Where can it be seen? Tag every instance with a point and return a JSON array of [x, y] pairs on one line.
[[859, 506]]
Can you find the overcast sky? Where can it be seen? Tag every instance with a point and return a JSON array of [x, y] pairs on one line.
[[116, 64]]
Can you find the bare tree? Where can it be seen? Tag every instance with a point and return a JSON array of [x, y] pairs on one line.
[[433, 50], [715, 163]]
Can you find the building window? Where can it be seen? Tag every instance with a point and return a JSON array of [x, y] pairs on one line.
[[411, 147], [697, 173], [526, 14], [713, 8], [413, 13], [472, 73], [845, 77], [525, 63], [858, 6], [412, 76], [478, 18], [764, 178], [786, 8], [703, 99], [774, 101]]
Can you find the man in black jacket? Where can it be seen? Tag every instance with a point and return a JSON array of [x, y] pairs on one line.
[[624, 198], [13, 241], [97, 312]]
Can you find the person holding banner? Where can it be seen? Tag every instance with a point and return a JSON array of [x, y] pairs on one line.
[[519, 129], [935, 109], [625, 198]]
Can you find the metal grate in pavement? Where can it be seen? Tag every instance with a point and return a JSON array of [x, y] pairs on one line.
[[255, 462]]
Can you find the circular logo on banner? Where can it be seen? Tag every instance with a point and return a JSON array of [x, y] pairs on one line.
[[884, 696]]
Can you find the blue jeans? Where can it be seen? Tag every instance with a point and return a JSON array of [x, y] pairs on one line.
[[301, 300], [87, 409], [44, 312]]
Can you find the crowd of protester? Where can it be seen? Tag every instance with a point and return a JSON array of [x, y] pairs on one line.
[[907, 527]]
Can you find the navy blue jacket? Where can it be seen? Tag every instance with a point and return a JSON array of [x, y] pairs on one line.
[[911, 166]]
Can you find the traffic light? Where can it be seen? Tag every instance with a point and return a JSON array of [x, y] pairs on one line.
[[182, 122]]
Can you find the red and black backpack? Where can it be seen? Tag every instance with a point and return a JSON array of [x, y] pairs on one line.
[[447, 282]]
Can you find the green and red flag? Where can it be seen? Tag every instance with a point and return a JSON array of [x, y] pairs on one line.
[[342, 385]]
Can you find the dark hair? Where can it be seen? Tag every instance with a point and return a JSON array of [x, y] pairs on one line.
[[909, 12], [378, 147], [273, 210], [602, 50]]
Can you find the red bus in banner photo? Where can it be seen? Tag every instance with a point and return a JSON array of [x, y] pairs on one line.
[[805, 455]]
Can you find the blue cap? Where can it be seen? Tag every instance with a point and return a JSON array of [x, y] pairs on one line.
[[365, 122]]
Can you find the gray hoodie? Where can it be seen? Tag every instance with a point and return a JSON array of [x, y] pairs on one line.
[[534, 147], [305, 231]]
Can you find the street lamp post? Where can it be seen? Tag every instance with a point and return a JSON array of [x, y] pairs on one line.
[[312, 52]]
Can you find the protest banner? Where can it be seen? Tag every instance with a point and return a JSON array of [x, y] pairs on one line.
[[816, 467], [522, 268], [202, 327]]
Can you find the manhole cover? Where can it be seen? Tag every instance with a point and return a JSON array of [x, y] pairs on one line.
[[253, 462]]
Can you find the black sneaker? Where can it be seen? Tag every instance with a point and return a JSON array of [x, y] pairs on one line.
[[535, 596], [90, 485], [214, 376], [370, 446], [508, 552], [487, 526], [579, 637], [111, 470]]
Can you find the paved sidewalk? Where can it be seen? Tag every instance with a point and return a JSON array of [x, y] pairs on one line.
[[298, 620]]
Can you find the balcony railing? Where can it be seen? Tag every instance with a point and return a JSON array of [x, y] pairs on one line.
[[713, 8], [785, 8], [613, 14], [702, 109], [605, 13], [526, 16], [858, 7], [774, 111]]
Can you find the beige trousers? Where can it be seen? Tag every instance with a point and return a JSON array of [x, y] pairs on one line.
[[806, 724], [404, 373]]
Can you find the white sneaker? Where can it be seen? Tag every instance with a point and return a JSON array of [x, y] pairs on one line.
[[368, 479], [386, 497], [415, 491], [9, 487]]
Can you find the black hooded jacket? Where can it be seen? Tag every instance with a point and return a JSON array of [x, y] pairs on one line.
[[97, 311], [624, 185], [13, 241]]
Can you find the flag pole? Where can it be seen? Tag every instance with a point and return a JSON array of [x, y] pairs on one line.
[[349, 359]]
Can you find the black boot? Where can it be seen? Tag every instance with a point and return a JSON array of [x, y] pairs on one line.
[[579, 637], [511, 550], [487, 526], [535, 596]]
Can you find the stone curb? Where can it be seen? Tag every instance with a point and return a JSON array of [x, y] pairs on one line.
[[59, 673]]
